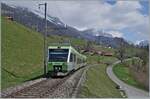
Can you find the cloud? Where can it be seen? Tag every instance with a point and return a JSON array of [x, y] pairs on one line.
[[101, 15], [115, 33], [137, 42], [123, 15]]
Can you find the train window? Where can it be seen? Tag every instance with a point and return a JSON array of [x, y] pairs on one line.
[[56, 55]]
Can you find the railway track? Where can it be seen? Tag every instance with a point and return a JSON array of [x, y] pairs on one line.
[[39, 90], [56, 87]]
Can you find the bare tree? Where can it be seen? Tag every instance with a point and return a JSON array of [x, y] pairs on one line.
[[89, 46], [143, 54], [120, 52]]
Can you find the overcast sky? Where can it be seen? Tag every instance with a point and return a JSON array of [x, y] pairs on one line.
[[127, 19]]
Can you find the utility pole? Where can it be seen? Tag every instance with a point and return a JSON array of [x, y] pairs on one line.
[[45, 43]]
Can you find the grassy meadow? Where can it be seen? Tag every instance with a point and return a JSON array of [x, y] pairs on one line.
[[22, 52], [97, 83], [22, 60], [125, 73]]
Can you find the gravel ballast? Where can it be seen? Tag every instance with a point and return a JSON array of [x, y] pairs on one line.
[[48, 88], [17, 88]]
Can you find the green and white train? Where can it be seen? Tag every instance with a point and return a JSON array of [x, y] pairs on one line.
[[64, 59]]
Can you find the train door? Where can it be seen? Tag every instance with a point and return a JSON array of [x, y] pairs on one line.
[[70, 66]]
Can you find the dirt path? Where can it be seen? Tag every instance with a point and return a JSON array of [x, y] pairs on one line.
[[130, 91]]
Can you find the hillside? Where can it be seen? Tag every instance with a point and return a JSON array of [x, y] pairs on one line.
[[34, 20], [21, 53]]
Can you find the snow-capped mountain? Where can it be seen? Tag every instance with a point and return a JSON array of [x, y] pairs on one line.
[[143, 43], [102, 38], [53, 20], [34, 19], [93, 32], [102, 33]]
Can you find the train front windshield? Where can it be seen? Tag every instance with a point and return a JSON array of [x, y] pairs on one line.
[[58, 55]]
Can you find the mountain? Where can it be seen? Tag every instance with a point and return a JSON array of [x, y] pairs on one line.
[[102, 33], [22, 52], [34, 19], [109, 41], [91, 33], [103, 38], [53, 20], [143, 43], [88, 34]]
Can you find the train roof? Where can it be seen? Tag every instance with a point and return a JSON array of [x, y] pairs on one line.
[[57, 45], [76, 52]]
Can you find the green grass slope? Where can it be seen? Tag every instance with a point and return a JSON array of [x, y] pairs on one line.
[[125, 73], [97, 83], [22, 59], [22, 53]]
